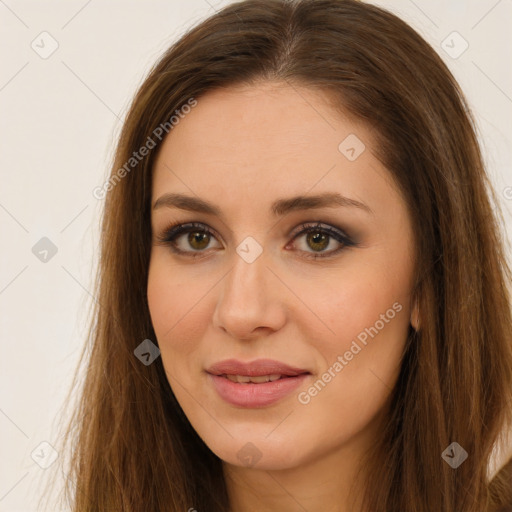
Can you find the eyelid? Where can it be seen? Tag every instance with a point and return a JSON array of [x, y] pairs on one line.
[[174, 230], [321, 226]]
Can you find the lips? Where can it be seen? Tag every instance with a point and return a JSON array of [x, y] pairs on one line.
[[256, 384], [257, 368]]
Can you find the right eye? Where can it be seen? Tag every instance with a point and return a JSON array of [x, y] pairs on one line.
[[198, 238]]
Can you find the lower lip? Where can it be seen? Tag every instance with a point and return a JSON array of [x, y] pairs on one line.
[[255, 395]]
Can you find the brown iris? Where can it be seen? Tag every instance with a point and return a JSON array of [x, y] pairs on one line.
[[317, 239], [202, 239]]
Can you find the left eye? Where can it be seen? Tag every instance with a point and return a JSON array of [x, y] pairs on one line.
[[318, 237], [198, 237]]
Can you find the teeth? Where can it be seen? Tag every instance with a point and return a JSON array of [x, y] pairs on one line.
[[238, 378], [243, 379], [260, 380]]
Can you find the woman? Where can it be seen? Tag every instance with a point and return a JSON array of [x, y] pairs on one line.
[[302, 298]]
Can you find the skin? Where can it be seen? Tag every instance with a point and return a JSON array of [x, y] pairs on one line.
[[242, 148]]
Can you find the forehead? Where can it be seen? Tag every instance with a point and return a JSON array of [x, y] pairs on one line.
[[268, 120], [256, 142]]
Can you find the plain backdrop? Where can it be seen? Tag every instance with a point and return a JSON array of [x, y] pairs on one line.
[[60, 115]]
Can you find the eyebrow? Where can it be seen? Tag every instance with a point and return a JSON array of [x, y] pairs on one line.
[[279, 207]]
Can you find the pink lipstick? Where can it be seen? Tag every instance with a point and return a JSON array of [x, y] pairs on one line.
[[259, 383]]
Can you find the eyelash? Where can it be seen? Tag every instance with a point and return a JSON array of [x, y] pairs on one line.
[[175, 230]]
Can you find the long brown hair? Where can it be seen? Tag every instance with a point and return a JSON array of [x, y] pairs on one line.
[[133, 449]]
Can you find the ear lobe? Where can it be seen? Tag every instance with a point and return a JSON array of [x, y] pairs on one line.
[[415, 315]]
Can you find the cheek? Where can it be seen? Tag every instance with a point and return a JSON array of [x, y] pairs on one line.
[[368, 314], [352, 388], [175, 307], [357, 299]]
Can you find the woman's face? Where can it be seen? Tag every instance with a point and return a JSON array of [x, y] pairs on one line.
[[321, 338]]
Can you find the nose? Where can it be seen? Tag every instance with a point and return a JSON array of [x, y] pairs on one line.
[[250, 302]]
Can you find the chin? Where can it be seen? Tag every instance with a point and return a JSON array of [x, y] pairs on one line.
[[259, 453]]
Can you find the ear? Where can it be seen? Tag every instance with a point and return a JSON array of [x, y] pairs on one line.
[[415, 315]]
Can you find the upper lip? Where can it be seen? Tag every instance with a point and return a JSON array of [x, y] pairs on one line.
[[256, 368]]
